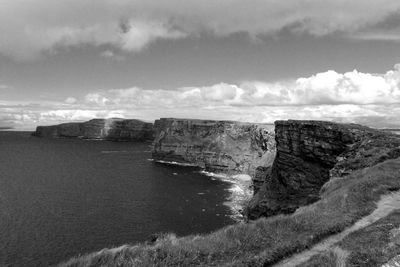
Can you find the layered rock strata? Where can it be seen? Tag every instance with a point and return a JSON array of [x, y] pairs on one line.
[[217, 146], [108, 129], [311, 153]]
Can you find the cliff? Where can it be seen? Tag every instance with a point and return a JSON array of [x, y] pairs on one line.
[[108, 129], [309, 154], [218, 146], [348, 179]]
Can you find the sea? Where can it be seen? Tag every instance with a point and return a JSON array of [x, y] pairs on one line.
[[61, 198]]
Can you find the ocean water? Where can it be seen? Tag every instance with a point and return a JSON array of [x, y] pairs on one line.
[[64, 197]]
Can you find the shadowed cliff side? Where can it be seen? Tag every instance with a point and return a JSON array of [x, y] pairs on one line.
[[109, 129], [217, 146], [309, 153]]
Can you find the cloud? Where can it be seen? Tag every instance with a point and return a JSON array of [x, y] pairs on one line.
[[377, 36], [70, 100], [35, 27], [77, 115], [325, 88], [27, 115], [371, 99], [109, 54]]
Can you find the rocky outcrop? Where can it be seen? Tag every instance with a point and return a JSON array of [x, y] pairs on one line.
[[259, 177], [108, 129], [311, 153], [218, 146]]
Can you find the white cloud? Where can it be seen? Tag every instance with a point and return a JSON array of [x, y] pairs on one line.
[[77, 115], [372, 99], [70, 100], [325, 88], [31, 28], [109, 54]]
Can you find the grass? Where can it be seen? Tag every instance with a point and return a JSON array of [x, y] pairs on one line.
[[266, 240], [373, 245], [326, 259], [376, 244]]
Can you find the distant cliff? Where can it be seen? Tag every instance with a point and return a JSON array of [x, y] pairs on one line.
[[309, 154], [108, 129], [219, 146]]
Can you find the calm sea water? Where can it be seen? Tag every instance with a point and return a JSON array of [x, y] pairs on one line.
[[64, 197]]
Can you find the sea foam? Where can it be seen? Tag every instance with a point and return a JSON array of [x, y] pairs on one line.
[[240, 191]]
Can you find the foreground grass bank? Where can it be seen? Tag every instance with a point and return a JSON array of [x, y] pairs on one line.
[[265, 241]]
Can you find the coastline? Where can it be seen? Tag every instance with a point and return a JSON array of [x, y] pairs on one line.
[[240, 187], [240, 192]]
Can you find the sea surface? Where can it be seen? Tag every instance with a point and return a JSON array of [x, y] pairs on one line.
[[64, 197]]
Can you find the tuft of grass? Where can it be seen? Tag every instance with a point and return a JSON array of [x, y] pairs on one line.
[[266, 240]]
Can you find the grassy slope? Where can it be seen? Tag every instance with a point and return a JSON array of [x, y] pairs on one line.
[[373, 245], [264, 241]]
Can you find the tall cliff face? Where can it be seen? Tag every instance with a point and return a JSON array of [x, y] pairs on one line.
[[220, 146], [309, 154], [109, 129]]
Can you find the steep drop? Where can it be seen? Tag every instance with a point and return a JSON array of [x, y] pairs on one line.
[[217, 146], [309, 154]]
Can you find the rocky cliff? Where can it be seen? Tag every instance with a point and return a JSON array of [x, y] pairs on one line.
[[218, 146], [311, 153], [108, 129], [351, 174]]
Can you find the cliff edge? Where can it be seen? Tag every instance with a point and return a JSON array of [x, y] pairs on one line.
[[217, 146], [114, 129], [311, 153]]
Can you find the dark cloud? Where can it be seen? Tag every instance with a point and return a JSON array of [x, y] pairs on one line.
[[34, 27]]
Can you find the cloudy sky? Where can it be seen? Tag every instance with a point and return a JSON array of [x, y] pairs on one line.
[[259, 61]]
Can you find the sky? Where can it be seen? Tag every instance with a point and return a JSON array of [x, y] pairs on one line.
[[256, 61]]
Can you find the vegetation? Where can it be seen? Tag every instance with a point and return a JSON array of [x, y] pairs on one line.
[[373, 245], [267, 240]]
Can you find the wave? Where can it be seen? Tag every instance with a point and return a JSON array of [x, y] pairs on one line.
[[174, 163], [240, 191]]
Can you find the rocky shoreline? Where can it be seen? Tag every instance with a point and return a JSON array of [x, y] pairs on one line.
[[217, 146], [288, 162], [226, 150], [226, 147]]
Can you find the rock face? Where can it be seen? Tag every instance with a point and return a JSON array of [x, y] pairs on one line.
[[218, 146], [309, 154], [260, 174], [108, 129]]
